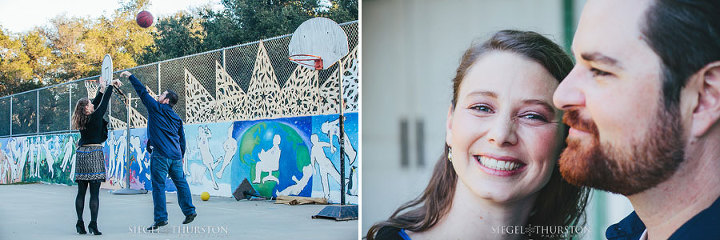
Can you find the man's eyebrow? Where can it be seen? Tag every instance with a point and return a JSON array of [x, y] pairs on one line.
[[600, 58], [542, 103]]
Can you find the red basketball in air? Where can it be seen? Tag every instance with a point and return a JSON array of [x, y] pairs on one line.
[[144, 19]]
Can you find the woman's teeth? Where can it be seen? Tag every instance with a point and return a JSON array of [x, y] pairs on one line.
[[498, 164]]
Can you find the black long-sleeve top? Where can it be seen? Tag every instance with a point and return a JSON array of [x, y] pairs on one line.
[[96, 131]]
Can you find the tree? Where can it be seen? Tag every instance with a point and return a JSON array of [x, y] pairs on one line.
[[118, 36], [250, 20], [65, 35], [176, 36], [37, 47], [16, 73], [342, 11], [80, 44], [72, 48]]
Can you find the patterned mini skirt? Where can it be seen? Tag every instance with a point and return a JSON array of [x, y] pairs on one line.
[[89, 164]]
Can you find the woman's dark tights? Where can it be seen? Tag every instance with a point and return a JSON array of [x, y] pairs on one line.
[[94, 201]]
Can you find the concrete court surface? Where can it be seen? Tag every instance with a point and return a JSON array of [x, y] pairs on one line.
[[44, 211]]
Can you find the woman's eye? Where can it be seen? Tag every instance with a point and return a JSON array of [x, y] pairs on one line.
[[599, 73], [534, 116], [483, 108]]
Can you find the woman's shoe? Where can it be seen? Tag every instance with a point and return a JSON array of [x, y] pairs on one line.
[[80, 226], [92, 227]]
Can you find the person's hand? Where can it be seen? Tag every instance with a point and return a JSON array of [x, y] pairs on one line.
[[117, 83], [101, 84], [125, 74]]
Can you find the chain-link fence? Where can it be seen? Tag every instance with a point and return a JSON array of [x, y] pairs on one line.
[[249, 81]]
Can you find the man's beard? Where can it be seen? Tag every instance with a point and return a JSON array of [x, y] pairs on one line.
[[626, 170]]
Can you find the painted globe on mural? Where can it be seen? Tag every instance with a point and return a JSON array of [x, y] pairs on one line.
[[274, 152]]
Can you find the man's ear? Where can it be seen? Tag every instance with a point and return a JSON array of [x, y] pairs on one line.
[[448, 127], [707, 111]]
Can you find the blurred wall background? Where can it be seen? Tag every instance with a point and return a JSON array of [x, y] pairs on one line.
[[410, 49]]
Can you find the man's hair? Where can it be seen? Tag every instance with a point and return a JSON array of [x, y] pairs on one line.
[[172, 97], [685, 34]]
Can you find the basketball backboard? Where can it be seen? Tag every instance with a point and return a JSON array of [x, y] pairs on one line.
[[318, 38], [106, 71]]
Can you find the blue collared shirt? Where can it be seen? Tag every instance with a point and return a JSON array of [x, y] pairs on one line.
[[164, 128], [704, 225]]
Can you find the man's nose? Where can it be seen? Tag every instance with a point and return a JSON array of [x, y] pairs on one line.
[[569, 93]]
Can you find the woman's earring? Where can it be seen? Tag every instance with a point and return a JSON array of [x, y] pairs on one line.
[[449, 154]]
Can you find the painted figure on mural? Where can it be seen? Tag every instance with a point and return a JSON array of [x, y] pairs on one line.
[[230, 147], [332, 128], [49, 157], [204, 135], [110, 143], [32, 158], [119, 158], [38, 155], [324, 165], [69, 156], [269, 162], [20, 151], [4, 168], [140, 154], [299, 185], [23, 158], [196, 173], [352, 186], [12, 163]]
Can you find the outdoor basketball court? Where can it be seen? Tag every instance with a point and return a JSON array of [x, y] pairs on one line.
[[44, 211]]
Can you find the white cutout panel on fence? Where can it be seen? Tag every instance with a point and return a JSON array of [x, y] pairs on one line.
[[199, 104], [328, 100], [230, 97], [350, 81], [300, 93], [264, 90], [136, 119], [117, 123]]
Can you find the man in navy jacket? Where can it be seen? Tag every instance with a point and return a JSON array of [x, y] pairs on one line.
[[166, 138], [643, 106]]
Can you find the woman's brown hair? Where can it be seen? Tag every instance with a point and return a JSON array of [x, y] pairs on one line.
[[558, 203], [79, 118]]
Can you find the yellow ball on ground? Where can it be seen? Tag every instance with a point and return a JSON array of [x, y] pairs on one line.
[[205, 196]]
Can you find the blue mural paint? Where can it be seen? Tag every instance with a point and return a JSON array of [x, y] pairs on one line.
[[233, 150], [272, 154], [209, 155]]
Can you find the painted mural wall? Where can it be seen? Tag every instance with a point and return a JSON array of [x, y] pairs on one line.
[[49, 158], [297, 156]]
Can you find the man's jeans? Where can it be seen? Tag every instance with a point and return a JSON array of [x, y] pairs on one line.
[[160, 167]]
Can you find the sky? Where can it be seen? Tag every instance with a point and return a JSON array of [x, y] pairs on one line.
[[19, 16]]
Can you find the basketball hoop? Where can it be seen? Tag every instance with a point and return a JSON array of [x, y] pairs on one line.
[[318, 43], [308, 60]]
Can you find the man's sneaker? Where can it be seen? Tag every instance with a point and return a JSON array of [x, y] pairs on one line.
[[189, 218], [157, 225]]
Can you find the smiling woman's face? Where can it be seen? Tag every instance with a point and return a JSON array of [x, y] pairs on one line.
[[504, 131]]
